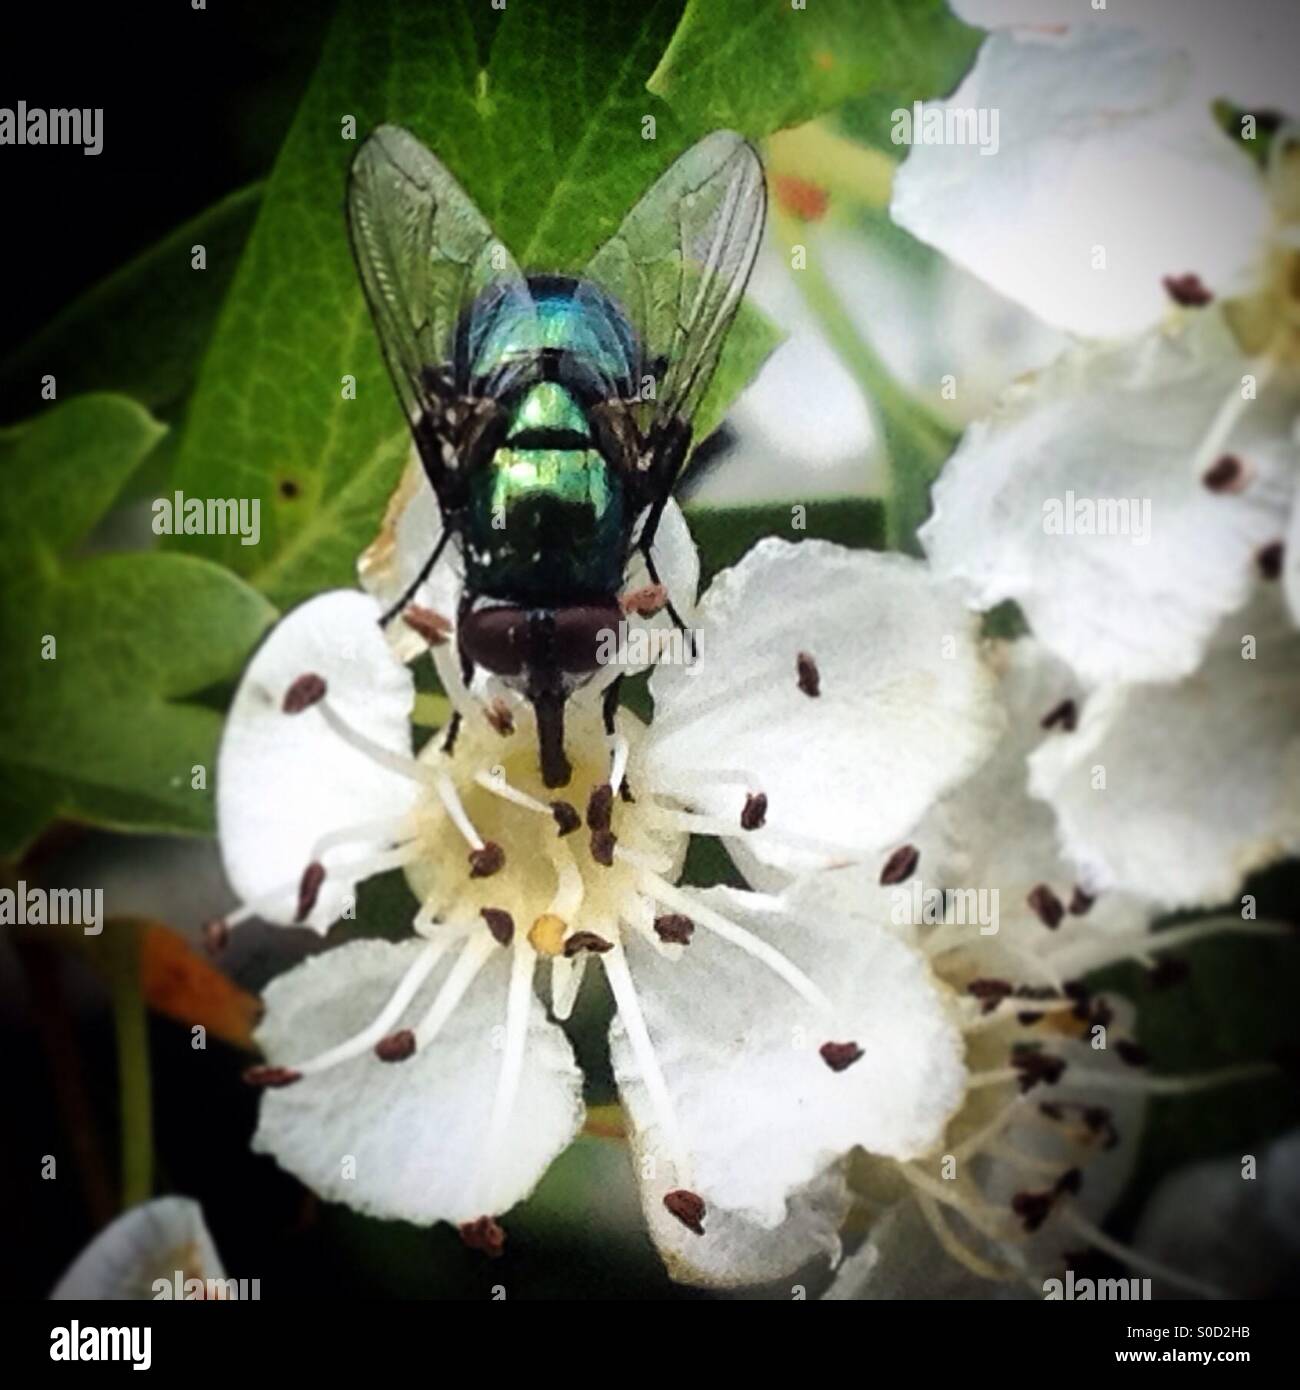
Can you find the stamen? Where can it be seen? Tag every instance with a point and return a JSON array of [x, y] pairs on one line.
[[586, 941], [1046, 906], [433, 627], [1172, 1085], [600, 806], [664, 892], [1269, 560], [484, 1235], [271, 1076], [645, 602], [518, 1002], [603, 843], [1080, 902], [1065, 716], [470, 961], [619, 749], [500, 923], [955, 1248], [375, 1032], [397, 1047], [840, 1056], [496, 783], [674, 928], [754, 812], [1226, 474], [1188, 291], [401, 763], [303, 693], [487, 860], [687, 1207], [309, 889], [900, 865], [451, 802], [566, 816], [694, 823], [809, 677], [1072, 1216], [500, 717], [638, 1036], [1230, 411]]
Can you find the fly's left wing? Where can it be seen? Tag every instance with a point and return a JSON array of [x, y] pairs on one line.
[[438, 283], [677, 267]]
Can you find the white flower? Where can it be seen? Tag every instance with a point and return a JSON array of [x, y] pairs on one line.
[[836, 694], [1106, 497], [1200, 780], [1047, 1134], [164, 1240], [1110, 176]]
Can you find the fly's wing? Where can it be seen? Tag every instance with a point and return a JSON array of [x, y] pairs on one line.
[[678, 267], [432, 270]]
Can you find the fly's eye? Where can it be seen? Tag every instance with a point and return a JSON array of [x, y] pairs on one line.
[[583, 632], [496, 639]]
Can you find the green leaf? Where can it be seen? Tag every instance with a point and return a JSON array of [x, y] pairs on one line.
[[758, 66], [548, 141], [102, 651], [142, 331]]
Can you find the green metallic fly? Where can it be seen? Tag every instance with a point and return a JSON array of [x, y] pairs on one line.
[[552, 413]]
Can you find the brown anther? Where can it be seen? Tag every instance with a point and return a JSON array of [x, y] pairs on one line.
[[602, 847], [1225, 474], [1035, 1066], [1070, 1181], [1187, 290], [1098, 1122], [433, 627], [675, 928], [600, 807], [646, 602], [309, 890], [900, 865], [990, 993], [1052, 1109], [483, 863], [1046, 906], [1063, 716], [269, 1077], [1166, 972], [840, 1056], [1027, 1019], [1033, 1208], [1269, 560], [687, 1207], [485, 1235], [303, 693], [810, 678], [1131, 1054], [500, 717], [586, 941], [1080, 902], [500, 923], [566, 816], [216, 935], [546, 935], [755, 811], [396, 1047]]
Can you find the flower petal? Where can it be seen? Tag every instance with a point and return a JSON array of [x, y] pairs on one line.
[[153, 1241], [906, 706], [1107, 439], [1201, 779], [1101, 150], [414, 1131], [761, 1113], [286, 780]]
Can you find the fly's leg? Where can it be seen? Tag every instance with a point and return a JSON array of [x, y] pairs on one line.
[[425, 570]]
